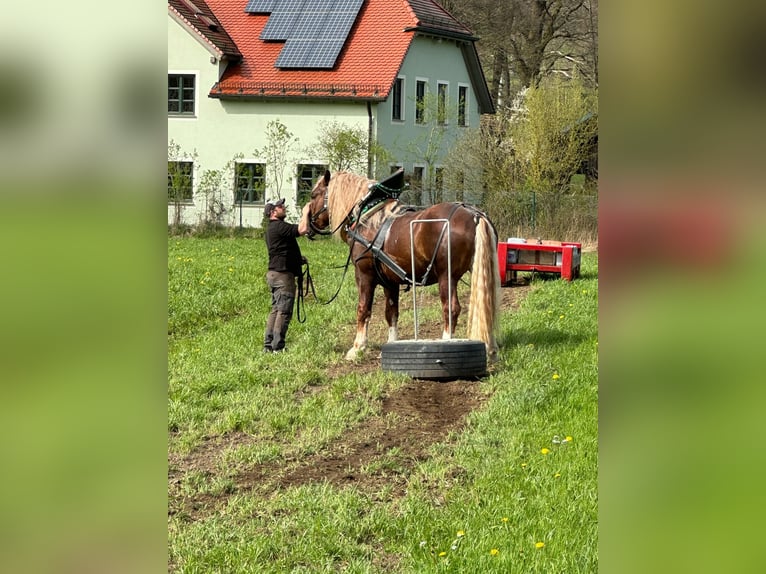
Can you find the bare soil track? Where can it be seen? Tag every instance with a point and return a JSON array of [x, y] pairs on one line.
[[375, 456]]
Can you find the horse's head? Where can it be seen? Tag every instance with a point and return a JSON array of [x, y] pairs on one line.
[[319, 216]]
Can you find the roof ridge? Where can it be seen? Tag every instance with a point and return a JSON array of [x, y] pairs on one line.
[[411, 10]]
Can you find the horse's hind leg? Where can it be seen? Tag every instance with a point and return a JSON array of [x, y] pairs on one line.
[[392, 311], [363, 313], [450, 306]]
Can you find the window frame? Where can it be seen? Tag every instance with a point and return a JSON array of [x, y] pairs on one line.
[[463, 105], [442, 102], [438, 190], [420, 101], [181, 99], [397, 100], [302, 191], [187, 197], [255, 191]]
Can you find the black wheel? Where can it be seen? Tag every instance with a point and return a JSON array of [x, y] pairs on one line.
[[435, 359]]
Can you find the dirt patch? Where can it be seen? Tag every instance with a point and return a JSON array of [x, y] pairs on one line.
[[381, 451], [377, 456]]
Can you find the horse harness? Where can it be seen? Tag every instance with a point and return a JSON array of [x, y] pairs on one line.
[[375, 247]]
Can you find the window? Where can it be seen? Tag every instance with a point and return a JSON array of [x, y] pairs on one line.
[[397, 100], [417, 178], [181, 94], [251, 182], [462, 105], [441, 112], [308, 174], [420, 101], [460, 184], [180, 181], [438, 185]]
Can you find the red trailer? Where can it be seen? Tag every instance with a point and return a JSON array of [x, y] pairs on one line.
[[543, 256]]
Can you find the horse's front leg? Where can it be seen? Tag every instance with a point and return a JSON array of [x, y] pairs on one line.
[[363, 313], [450, 306], [392, 311]]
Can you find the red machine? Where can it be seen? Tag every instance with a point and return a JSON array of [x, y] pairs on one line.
[[561, 257]]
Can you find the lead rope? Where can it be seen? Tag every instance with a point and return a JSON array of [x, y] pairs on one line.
[[306, 285], [309, 286]]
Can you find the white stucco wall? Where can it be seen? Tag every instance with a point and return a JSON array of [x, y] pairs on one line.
[[221, 129]]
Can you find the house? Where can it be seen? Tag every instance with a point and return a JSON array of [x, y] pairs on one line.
[[238, 68]]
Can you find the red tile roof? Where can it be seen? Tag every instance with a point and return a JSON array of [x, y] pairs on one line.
[[366, 66]]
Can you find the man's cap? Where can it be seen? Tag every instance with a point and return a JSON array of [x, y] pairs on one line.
[[270, 205]]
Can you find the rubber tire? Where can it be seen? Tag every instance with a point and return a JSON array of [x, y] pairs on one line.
[[440, 359]]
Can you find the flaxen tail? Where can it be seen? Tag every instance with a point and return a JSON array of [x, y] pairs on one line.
[[484, 305]]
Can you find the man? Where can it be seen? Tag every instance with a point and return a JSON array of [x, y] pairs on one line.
[[284, 267]]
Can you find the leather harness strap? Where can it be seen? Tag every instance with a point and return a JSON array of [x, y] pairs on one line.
[[379, 256]]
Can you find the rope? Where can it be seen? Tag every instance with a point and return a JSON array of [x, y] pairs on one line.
[[306, 285], [300, 303]]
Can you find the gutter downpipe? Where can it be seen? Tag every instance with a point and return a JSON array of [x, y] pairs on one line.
[[369, 139]]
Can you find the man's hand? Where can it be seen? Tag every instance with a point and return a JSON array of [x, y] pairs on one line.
[[303, 224]]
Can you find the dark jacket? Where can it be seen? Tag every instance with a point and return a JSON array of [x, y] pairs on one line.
[[284, 253]]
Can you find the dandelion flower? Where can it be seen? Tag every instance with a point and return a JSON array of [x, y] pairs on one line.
[[442, 554], [523, 465], [558, 474], [539, 544], [494, 552], [460, 533], [505, 519], [556, 376], [545, 451], [568, 439], [561, 316]]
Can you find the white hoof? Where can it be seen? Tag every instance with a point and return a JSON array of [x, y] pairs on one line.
[[353, 353]]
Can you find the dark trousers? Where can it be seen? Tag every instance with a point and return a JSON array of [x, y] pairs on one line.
[[283, 289]]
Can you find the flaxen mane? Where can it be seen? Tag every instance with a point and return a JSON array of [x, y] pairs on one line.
[[344, 190]]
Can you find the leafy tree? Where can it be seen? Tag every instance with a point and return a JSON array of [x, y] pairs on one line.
[[553, 133], [181, 166], [524, 157], [439, 133], [344, 146], [281, 143], [216, 185]]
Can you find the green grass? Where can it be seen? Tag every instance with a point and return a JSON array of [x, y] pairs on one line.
[[490, 482]]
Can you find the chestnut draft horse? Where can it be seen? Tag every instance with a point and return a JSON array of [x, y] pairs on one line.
[[369, 217]]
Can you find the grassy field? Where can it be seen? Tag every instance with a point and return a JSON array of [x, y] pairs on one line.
[[511, 488]]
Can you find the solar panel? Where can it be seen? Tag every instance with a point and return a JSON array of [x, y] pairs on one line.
[[315, 31], [260, 6]]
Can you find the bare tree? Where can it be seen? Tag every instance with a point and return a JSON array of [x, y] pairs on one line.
[[524, 41]]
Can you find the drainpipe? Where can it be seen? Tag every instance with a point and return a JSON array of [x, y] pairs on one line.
[[369, 139]]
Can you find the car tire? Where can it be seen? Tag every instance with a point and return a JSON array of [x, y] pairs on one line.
[[441, 359]]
